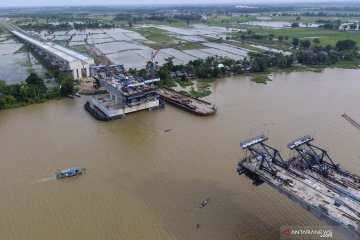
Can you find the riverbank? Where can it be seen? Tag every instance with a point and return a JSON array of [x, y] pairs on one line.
[[34, 90], [264, 77], [25, 104]]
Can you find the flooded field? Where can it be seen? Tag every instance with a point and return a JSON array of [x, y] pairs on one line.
[[228, 48], [132, 59], [278, 25], [76, 43], [9, 48], [198, 30], [184, 57], [198, 53], [122, 46], [271, 49], [15, 66], [217, 52], [144, 183], [114, 47]]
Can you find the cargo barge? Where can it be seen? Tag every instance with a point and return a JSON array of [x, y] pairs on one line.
[[310, 178], [188, 103]]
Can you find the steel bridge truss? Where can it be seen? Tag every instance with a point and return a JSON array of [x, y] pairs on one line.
[[315, 158], [267, 155]]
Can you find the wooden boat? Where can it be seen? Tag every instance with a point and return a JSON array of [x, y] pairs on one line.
[[70, 172]]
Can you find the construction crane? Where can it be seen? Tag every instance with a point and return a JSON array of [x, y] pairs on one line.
[[151, 64]]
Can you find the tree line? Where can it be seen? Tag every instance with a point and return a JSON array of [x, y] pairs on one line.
[[33, 90], [315, 55], [213, 67]]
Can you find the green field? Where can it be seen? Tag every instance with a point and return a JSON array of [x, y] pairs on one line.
[[189, 46], [177, 23], [327, 37], [165, 39], [2, 29], [226, 20], [260, 78], [162, 37]]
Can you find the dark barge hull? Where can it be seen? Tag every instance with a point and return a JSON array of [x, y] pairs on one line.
[[97, 115], [102, 117], [186, 107]]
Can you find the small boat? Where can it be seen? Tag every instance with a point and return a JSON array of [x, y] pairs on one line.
[[77, 94], [70, 172], [168, 130], [204, 203]]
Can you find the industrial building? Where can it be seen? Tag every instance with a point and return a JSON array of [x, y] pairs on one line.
[[62, 58]]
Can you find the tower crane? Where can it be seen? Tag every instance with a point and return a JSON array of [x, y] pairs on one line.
[[151, 63]]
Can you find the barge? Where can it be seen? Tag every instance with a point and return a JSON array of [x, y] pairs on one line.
[[188, 103], [310, 178]]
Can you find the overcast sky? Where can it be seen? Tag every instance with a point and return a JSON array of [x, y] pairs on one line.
[[10, 3]]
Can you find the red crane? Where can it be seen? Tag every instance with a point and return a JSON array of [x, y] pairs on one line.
[[151, 63]]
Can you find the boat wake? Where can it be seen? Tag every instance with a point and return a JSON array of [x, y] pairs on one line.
[[44, 180]]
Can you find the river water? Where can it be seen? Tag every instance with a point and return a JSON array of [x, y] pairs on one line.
[[144, 183]]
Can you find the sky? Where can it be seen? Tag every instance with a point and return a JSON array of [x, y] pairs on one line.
[[15, 3]]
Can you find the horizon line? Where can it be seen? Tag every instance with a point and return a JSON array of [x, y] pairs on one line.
[[250, 3]]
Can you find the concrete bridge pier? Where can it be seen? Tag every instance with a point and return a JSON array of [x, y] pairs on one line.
[[65, 59]]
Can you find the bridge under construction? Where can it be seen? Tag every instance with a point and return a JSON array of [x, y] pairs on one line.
[[309, 178], [62, 58], [126, 93]]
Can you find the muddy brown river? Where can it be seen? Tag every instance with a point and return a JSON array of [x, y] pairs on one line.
[[144, 183]]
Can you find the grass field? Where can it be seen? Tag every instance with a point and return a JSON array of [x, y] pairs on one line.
[[165, 39], [260, 78], [185, 83], [2, 30], [233, 19], [177, 23], [157, 35], [327, 37], [189, 46]]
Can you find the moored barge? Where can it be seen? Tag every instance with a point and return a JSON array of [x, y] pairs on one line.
[[188, 103]]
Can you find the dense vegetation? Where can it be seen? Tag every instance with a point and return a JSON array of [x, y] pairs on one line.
[[33, 90], [65, 26], [316, 55], [214, 67]]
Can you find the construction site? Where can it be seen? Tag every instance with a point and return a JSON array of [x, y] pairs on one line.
[[126, 93], [310, 178]]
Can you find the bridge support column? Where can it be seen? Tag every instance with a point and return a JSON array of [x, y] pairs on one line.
[[76, 73], [87, 71]]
